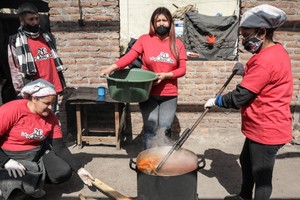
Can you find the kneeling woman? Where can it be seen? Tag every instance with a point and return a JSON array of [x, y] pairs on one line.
[[32, 150]]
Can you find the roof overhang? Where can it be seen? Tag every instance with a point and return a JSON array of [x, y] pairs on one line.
[[42, 5]]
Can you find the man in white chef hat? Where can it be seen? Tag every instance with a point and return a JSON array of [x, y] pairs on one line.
[[263, 96]]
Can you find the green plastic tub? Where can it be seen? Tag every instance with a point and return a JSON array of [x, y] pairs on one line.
[[130, 85]]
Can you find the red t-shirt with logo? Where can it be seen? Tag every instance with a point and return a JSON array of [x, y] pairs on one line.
[[267, 119], [157, 57], [44, 62], [22, 130]]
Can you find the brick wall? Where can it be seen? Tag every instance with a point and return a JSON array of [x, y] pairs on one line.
[[84, 50], [87, 49]]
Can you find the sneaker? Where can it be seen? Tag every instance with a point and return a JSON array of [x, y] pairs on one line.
[[38, 193], [234, 197]]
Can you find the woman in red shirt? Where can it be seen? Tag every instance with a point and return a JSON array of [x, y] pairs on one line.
[[264, 96], [32, 150], [164, 54]]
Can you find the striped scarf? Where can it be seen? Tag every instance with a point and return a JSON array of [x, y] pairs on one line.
[[24, 55]]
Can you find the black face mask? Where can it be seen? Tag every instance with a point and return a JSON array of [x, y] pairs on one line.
[[253, 45], [161, 30], [32, 29]]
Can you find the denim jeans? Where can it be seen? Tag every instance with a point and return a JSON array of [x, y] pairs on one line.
[[158, 114], [257, 162]]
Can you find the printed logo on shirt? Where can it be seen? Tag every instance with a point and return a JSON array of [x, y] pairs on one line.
[[42, 54], [162, 57], [36, 135]]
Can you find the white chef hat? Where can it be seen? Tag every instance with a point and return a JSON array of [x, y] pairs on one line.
[[263, 16], [38, 88]]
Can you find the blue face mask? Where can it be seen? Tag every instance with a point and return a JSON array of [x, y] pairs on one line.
[[253, 45]]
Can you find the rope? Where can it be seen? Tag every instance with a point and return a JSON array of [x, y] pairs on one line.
[[180, 12]]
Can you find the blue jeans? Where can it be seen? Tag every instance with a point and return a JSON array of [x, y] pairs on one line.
[[257, 162], [158, 114]]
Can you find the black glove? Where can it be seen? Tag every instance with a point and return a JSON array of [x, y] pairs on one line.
[[239, 67]]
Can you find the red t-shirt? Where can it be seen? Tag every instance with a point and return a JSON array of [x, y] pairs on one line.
[[157, 57], [267, 119], [21, 129], [44, 62]]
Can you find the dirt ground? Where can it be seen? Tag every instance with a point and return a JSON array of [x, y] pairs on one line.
[[221, 175]]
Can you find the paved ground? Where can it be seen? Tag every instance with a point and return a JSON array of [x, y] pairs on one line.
[[220, 176]]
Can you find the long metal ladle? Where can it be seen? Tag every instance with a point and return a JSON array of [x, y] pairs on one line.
[[187, 132]]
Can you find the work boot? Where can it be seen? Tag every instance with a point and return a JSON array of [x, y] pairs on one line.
[[234, 197]]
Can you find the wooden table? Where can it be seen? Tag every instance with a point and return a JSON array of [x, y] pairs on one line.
[[84, 96]]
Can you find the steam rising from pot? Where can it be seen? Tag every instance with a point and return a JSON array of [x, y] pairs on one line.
[[160, 139]]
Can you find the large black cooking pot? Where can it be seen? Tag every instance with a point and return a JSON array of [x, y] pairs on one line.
[[176, 180]]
